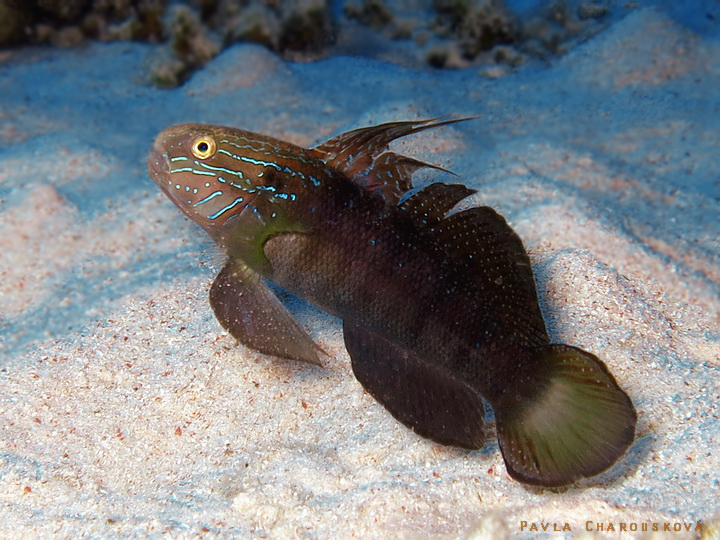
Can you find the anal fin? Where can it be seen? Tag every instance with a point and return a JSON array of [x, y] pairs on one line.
[[420, 395], [252, 314]]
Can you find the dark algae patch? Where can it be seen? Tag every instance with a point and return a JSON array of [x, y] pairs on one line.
[[440, 34], [440, 312]]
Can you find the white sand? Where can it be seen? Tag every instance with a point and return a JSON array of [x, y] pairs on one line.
[[126, 410]]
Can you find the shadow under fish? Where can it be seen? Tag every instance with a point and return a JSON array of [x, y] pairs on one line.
[[439, 311]]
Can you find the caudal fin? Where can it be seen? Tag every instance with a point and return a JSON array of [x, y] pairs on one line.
[[572, 422]]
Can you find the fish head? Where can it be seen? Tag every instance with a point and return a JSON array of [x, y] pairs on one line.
[[212, 173]]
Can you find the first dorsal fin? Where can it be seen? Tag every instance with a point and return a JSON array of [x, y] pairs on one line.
[[362, 155]]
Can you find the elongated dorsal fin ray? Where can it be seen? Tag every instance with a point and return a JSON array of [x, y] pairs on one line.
[[361, 155], [418, 393]]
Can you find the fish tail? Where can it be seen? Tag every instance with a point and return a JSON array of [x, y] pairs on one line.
[[569, 422]]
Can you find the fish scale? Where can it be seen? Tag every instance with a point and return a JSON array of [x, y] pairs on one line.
[[440, 312]]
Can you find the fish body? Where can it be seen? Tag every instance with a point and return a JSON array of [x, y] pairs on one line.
[[440, 312]]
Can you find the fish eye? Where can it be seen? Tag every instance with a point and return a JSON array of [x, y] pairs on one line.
[[203, 147]]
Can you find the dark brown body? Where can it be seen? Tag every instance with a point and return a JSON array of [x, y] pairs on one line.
[[439, 310], [363, 258]]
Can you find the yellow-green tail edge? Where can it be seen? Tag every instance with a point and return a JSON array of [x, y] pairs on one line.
[[574, 421]]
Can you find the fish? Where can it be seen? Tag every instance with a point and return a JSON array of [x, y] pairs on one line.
[[439, 306]]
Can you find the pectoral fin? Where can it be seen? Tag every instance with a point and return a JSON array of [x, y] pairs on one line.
[[253, 315], [424, 398]]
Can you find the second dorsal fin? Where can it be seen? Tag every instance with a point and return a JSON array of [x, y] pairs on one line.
[[362, 155], [484, 248], [429, 206], [481, 241]]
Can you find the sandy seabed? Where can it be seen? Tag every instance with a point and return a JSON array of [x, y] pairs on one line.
[[126, 409]]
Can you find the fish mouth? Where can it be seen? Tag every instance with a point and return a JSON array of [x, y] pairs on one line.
[[159, 164]]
